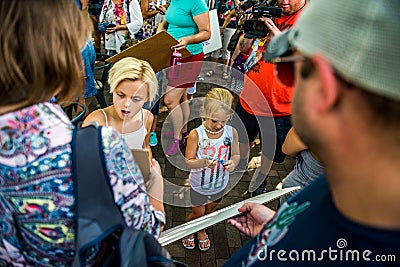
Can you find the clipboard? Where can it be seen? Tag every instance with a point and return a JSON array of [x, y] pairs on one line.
[[143, 160], [180, 231], [156, 50]]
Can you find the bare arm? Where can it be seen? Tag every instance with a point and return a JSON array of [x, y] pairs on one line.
[[155, 186], [227, 20], [293, 145], [235, 155], [235, 53], [243, 46], [144, 6], [96, 117], [191, 150], [149, 121], [203, 24]]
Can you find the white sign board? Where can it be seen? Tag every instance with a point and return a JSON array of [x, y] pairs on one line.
[[214, 43]]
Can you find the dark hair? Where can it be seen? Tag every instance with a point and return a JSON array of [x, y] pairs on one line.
[[385, 111], [40, 42]]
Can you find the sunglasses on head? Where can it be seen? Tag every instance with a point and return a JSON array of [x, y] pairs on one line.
[[284, 67]]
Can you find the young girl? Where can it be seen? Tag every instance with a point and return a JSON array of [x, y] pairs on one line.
[[132, 83], [212, 151]]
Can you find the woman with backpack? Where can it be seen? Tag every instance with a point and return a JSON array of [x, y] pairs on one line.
[[38, 209]]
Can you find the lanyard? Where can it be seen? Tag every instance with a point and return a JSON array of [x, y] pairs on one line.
[[254, 56]]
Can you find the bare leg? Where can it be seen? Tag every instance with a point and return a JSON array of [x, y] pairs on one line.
[[211, 71], [197, 211], [154, 124], [185, 111], [225, 63], [172, 101], [202, 235], [96, 33]]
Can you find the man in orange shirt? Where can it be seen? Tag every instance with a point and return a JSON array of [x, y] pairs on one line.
[[264, 101]]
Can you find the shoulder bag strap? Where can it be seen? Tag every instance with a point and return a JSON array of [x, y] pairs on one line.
[[96, 212]]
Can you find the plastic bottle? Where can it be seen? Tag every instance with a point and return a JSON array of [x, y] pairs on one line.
[[173, 72]]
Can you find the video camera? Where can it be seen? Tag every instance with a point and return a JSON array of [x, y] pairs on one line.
[[254, 28]]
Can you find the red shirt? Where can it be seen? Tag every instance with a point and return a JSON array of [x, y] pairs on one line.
[[263, 94]]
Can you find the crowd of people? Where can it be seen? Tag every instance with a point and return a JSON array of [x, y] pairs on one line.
[[321, 86]]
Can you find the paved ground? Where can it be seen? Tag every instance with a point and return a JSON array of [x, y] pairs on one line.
[[225, 239]]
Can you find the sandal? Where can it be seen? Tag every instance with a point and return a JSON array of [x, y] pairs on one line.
[[189, 240], [203, 243], [225, 75], [210, 73]]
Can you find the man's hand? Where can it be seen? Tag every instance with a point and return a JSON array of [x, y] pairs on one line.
[[254, 216], [271, 26]]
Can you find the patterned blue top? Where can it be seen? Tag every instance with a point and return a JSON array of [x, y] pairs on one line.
[[37, 216]]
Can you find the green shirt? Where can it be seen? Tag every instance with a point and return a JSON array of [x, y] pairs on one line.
[[180, 15]]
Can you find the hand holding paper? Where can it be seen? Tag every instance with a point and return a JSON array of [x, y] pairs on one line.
[[176, 233], [252, 218]]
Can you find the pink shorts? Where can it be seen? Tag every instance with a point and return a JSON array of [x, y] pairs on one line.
[[186, 74]]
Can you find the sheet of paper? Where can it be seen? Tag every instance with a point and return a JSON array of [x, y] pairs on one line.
[[142, 158], [156, 50], [178, 232]]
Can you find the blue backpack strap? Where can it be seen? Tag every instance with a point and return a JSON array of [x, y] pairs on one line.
[[97, 213]]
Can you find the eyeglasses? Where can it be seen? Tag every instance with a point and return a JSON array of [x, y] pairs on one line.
[[284, 67]]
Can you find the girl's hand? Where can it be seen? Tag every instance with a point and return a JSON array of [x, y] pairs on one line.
[[210, 163], [229, 165]]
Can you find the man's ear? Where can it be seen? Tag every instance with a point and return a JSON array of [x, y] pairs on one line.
[[328, 84]]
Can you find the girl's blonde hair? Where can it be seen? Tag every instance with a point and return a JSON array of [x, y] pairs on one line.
[[130, 68], [217, 100]]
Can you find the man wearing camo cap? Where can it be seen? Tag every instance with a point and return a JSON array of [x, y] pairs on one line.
[[343, 58]]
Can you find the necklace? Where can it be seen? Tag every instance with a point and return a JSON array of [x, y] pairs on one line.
[[211, 132]]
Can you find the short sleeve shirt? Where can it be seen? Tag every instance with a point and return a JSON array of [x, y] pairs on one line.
[[181, 23]]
